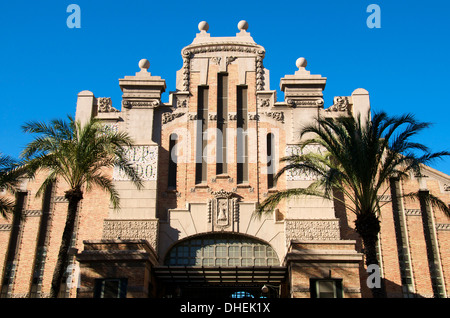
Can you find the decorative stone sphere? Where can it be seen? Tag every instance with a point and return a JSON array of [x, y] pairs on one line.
[[243, 25], [301, 62], [203, 26], [144, 64]]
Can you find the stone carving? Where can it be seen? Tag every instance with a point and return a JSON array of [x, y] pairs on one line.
[[221, 209], [186, 69], [131, 229], [263, 102], [168, 117], [279, 116], [181, 103], [230, 59], [192, 116], [253, 116], [141, 104], [260, 71], [216, 60], [212, 116], [144, 159], [232, 116], [340, 104], [446, 187], [104, 105], [312, 230]]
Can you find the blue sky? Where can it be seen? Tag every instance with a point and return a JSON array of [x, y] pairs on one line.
[[44, 64]]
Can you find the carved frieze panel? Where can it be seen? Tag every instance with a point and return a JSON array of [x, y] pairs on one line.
[[168, 117], [144, 159], [278, 116], [132, 229], [312, 230]]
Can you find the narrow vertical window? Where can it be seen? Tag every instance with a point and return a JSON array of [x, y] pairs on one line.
[[13, 246], [202, 120], [222, 120], [270, 161], [242, 140], [172, 182]]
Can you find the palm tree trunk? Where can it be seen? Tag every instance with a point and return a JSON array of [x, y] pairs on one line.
[[368, 226], [74, 196]]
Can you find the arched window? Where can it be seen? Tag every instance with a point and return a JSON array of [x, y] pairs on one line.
[[225, 250], [172, 182]]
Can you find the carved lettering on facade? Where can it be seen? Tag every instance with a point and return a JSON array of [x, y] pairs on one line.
[[145, 160], [297, 175]]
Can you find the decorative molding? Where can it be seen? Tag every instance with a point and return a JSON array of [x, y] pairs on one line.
[[260, 71], [300, 102], [385, 198], [413, 212], [312, 230], [5, 227], [61, 199], [132, 229], [443, 226], [31, 213], [232, 116], [152, 103], [446, 187], [253, 116], [181, 103], [168, 117], [263, 102], [144, 159], [278, 116]]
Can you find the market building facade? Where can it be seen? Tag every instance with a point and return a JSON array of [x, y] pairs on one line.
[[207, 158]]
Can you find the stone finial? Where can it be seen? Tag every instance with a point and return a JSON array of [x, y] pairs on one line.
[[144, 65], [203, 26], [301, 62], [243, 25]]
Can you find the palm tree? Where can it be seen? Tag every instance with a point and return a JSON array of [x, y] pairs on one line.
[[10, 175], [80, 155], [359, 158]]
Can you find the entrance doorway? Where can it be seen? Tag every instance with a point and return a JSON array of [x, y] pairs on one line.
[[222, 265]]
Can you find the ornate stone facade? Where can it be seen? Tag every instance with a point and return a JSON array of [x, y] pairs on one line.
[[207, 158]]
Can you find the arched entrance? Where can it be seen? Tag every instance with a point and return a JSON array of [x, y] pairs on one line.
[[221, 265]]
